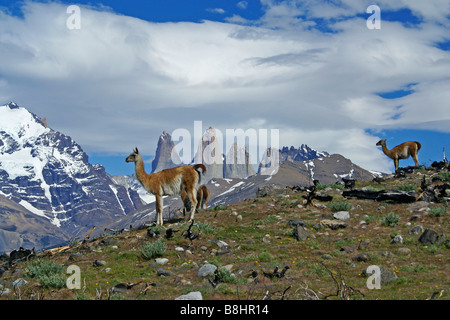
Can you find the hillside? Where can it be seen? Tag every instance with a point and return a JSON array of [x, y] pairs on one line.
[[273, 246]]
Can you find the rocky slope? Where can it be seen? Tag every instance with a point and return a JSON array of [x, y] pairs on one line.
[[274, 247]]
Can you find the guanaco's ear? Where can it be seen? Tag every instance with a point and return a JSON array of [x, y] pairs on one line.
[[136, 150]]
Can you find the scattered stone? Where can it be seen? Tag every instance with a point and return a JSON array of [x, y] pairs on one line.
[[363, 244], [222, 244], [163, 272], [195, 295], [206, 270], [4, 291], [342, 215], [416, 230], [75, 256], [347, 249], [362, 257], [418, 206], [386, 254], [415, 217], [429, 236], [19, 282], [385, 275], [334, 224], [404, 251], [161, 261], [179, 249], [318, 226], [99, 263], [327, 256], [300, 233], [294, 223], [397, 239], [107, 269]]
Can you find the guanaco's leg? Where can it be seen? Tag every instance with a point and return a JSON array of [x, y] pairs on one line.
[[159, 208], [193, 198]]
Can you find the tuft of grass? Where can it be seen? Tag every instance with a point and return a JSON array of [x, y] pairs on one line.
[[340, 206], [154, 249], [48, 273], [438, 211], [444, 175], [390, 220], [407, 187]]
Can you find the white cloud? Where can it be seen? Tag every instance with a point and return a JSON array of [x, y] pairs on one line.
[[118, 82]]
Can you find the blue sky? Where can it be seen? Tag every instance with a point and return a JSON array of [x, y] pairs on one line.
[[311, 69]]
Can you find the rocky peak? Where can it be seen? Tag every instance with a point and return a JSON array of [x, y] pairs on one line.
[[166, 156]]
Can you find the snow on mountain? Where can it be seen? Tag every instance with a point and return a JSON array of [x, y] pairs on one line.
[[48, 173]]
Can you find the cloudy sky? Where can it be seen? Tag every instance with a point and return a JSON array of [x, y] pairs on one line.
[[125, 71]]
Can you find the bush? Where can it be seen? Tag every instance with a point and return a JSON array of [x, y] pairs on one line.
[[340, 206], [390, 219], [47, 273], [438, 211], [154, 249]]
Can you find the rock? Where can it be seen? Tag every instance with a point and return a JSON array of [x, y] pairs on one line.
[[416, 230], [429, 236], [334, 224], [347, 249], [195, 295], [404, 251], [386, 275], [326, 256], [300, 233], [99, 263], [161, 261], [318, 226], [179, 249], [222, 244], [342, 215], [75, 256], [294, 223], [4, 291], [206, 270], [397, 239], [362, 257], [386, 254], [418, 206], [363, 244], [120, 288], [163, 272], [19, 282]]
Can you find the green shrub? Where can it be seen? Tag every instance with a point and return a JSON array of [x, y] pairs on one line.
[[340, 206], [407, 187], [47, 273], [390, 219], [438, 211], [444, 175], [154, 249]]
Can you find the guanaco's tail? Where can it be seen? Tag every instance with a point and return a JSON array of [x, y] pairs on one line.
[[201, 166], [418, 145]]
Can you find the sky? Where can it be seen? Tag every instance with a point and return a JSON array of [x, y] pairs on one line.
[[116, 74]]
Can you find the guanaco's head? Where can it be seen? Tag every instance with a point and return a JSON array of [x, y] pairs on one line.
[[133, 157], [381, 142]]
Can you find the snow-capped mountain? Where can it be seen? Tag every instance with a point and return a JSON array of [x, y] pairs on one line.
[[48, 173]]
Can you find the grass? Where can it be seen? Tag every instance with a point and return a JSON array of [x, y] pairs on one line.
[[390, 220], [154, 249]]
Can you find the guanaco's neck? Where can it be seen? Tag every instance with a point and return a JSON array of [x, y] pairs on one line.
[[386, 150], [139, 170]]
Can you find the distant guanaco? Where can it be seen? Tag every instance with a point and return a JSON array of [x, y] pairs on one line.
[[202, 198], [168, 182], [402, 151]]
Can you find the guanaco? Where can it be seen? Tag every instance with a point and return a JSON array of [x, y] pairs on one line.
[[168, 182], [402, 151], [202, 198]]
